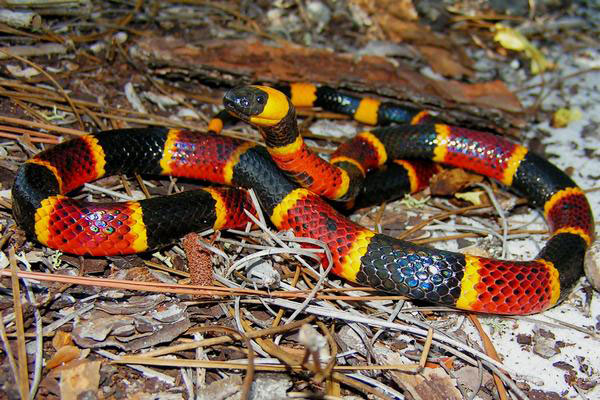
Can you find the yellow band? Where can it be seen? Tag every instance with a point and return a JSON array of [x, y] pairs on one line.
[[468, 292], [367, 111]]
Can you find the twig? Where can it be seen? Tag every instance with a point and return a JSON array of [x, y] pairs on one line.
[[560, 81], [31, 51]]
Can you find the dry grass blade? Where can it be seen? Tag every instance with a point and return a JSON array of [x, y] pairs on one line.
[[146, 371], [33, 140], [23, 377], [187, 289], [425, 353], [8, 349], [225, 339], [475, 235], [243, 365], [48, 127], [446, 214], [140, 181], [59, 87], [29, 132], [491, 351], [449, 343]]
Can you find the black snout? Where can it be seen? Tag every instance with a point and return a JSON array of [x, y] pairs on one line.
[[245, 102]]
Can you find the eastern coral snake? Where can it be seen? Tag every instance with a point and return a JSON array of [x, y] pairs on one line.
[[290, 182]]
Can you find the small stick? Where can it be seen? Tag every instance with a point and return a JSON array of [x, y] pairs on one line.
[[140, 181], [20, 19], [30, 51], [426, 348]]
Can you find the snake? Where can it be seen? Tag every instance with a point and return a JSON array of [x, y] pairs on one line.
[[299, 191]]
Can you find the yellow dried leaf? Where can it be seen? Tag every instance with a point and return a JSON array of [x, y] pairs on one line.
[[513, 40], [472, 197], [510, 39], [564, 116]]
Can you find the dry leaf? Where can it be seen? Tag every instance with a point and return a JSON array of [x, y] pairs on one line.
[[445, 62], [494, 94], [61, 339], [430, 384], [450, 181], [474, 197], [514, 40], [63, 356], [564, 116], [402, 9]]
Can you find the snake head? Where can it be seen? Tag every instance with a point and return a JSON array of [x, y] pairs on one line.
[[257, 105]]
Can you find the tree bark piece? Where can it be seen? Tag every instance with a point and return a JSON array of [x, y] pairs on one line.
[[488, 105]]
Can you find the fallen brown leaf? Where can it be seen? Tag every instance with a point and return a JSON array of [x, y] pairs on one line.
[[450, 181], [444, 62]]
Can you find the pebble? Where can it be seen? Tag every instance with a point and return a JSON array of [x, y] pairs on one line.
[[545, 348]]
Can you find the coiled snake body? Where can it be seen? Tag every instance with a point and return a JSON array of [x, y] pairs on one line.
[[276, 173]]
